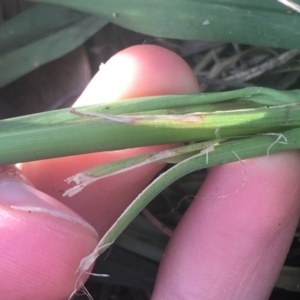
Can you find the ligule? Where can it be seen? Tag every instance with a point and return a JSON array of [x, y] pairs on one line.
[[87, 177]]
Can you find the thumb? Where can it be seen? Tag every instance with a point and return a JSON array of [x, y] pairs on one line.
[[42, 241]]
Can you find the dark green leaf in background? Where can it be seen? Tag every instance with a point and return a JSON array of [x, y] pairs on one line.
[[263, 23], [40, 35]]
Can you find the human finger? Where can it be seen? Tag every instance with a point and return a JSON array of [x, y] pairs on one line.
[[234, 238], [42, 242]]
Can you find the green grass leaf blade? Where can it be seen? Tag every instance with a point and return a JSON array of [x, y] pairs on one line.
[[40, 35], [263, 23], [272, 118], [44, 18], [61, 133]]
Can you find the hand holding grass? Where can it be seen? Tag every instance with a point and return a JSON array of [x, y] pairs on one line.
[[231, 243]]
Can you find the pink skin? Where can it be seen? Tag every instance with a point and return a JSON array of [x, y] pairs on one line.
[[38, 237], [232, 241]]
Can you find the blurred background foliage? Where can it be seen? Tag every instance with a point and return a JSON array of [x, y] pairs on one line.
[[48, 54]]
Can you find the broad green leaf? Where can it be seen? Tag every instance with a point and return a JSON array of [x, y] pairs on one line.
[[264, 23]]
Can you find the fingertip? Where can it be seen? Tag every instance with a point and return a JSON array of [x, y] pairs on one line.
[[139, 71], [235, 236]]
